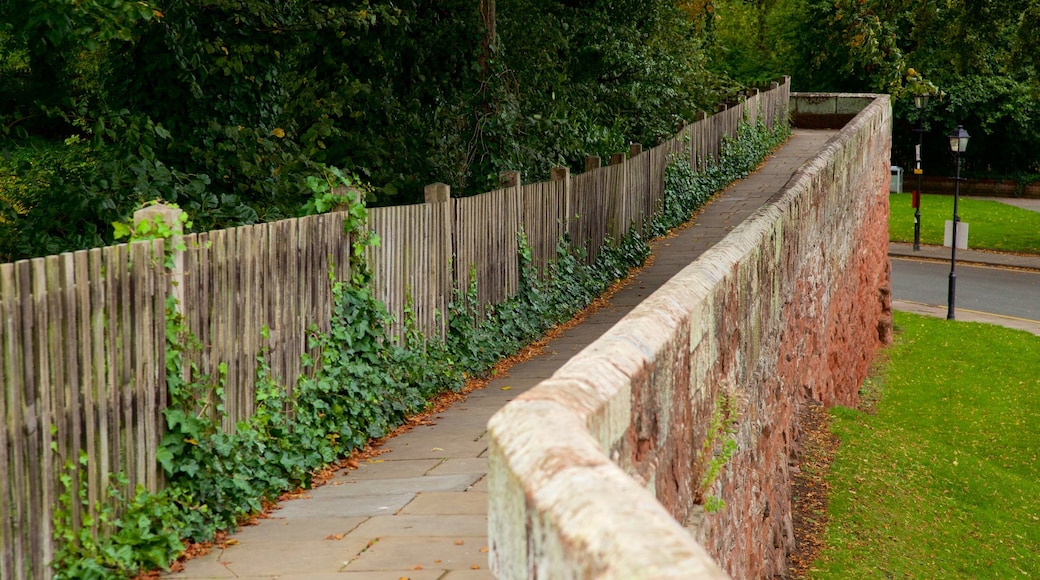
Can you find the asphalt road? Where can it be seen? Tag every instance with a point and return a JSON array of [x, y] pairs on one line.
[[1006, 292]]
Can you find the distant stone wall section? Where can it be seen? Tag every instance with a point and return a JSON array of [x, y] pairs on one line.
[[595, 472]]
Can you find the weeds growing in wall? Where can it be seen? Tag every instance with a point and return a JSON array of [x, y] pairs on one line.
[[364, 383]]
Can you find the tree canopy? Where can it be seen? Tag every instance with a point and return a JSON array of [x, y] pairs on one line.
[[980, 57], [224, 106]]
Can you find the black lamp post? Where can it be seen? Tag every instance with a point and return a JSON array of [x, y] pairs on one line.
[[920, 102], [958, 143]]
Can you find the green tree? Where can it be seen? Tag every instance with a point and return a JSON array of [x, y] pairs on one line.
[[593, 75], [980, 54], [225, 106]]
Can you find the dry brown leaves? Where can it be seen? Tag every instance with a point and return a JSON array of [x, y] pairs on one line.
[[809, 488]]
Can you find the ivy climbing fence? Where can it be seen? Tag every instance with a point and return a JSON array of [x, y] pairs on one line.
[[82, 335]]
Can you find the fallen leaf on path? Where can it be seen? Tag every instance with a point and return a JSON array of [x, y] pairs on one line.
[[475, 567], [334, 537], [507, 388], [485, 550], [417, 567], [459, 542]]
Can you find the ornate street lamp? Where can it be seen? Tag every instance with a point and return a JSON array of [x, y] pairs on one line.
[[958, 143], [920, 102]]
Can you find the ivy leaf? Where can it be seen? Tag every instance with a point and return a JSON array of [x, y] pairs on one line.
[[121, 230]]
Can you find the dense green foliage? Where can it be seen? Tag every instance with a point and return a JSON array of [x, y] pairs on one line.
[[364, 384], [943, 480], [991, 225], [223, 106], [982, 56]]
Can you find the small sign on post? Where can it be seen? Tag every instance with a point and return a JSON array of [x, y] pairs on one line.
[[962, 235]]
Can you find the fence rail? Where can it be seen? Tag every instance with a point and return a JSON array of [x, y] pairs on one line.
[[82, 335]]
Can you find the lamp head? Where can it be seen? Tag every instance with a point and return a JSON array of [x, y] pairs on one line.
[[959, 140]]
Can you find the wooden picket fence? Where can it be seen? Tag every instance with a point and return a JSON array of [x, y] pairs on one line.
[[82, 335]]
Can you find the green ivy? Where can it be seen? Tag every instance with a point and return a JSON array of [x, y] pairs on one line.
[[147, 540]]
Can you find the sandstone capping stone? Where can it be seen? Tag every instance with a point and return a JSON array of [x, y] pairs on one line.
[[584, 503]]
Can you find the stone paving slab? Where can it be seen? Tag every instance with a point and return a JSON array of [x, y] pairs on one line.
[[468, 414], [354, 489], [346, 506], [291, 530], [391, 575], [429, 444], [404, 554], [204, 567], [480, 486], [382, 468], [472, 503], [465, 465], [431, 525], [273, 559], [482, 574]]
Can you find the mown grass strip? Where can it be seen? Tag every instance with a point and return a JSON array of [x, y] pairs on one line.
[[991, 225], [942, 479]]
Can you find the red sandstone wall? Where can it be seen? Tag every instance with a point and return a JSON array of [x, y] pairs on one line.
[[595, 472], [836, 275]]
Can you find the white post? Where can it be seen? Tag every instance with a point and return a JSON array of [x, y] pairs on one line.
[[171, 217]]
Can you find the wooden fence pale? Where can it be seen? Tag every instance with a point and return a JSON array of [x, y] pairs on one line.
[[82, 335]]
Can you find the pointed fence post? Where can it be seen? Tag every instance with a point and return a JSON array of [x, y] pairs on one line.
[[437, 192], [509, 179]]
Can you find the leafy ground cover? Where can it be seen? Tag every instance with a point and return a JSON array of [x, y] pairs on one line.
[[991, 225], [940, 478]]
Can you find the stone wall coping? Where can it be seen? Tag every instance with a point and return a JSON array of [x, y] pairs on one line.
[[558, 434]]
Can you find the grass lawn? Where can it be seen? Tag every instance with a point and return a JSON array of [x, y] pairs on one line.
[[991, 225], [942, 480]]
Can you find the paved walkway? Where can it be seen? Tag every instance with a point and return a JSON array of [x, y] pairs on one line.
[[419, 511]]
